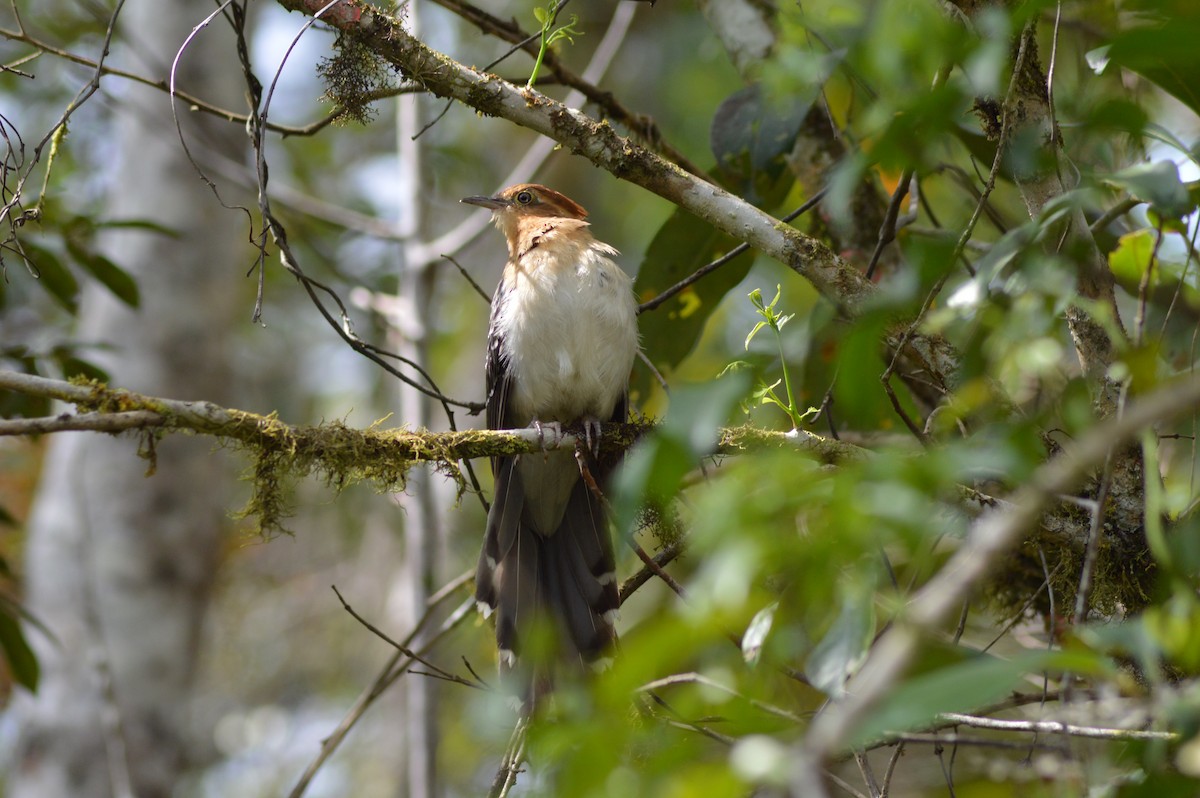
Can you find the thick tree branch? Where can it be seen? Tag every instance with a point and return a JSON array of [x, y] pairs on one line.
[[104, 409], [640, 125]]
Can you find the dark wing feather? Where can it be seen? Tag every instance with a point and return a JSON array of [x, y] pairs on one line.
[[508, 501], [497, 380]]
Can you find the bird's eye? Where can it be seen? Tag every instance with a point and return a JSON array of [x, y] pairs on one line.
[[524, 197]]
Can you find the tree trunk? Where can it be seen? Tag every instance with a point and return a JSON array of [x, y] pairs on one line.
[[119, 564]]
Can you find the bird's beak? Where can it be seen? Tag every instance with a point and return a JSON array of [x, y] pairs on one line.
[[491, 203]]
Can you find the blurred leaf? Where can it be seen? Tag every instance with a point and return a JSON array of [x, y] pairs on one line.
[[1132, 256], [54, 276], [756, 633], [1175, 627], [842, 650], [1164, 53], [1157, 183], [682, 245], [975, 683], [148, 225], [20, 657], [74, 366], [9, 520], [1128, 640], [112, 277], [655, 466], [751, 135]]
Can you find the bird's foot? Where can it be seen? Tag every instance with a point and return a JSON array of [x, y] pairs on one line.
[[591, 435], [555, 429]]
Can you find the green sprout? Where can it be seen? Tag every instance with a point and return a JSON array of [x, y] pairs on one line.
[[546, 17], [765, 394]]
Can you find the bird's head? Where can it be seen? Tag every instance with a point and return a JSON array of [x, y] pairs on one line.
[[529, 200], [527, 211]]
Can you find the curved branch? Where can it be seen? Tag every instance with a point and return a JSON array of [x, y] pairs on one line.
[[990, 537]]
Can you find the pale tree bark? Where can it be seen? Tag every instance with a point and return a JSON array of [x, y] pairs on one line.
[[119, 565], [422, 518]]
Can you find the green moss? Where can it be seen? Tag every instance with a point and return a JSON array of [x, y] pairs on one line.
[[354, 78], [1121, 583]]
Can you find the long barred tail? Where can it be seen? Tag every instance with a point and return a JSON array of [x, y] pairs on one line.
[[565, 581]]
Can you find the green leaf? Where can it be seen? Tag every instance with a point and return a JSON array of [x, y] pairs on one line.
[[73, 366], [54, 276], [965, 686], [147, 225], [754, 332], [20, 657], [1132, 255], [751, 135], [1170, 282], [655, 467], [1163, 53], [682, 245], [1157, 183], [113, 277], [843, 648]]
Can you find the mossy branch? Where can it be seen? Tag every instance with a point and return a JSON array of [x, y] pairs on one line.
[[342, 455], [106, 409]]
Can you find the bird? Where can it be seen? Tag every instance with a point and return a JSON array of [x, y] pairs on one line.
[[561, 343]]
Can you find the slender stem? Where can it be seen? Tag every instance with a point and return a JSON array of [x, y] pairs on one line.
[[793, 411]]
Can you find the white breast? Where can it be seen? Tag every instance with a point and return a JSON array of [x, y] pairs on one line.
[[570, 333]]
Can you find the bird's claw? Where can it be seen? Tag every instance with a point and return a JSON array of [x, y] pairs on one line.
[[555, 432], [591, 435]]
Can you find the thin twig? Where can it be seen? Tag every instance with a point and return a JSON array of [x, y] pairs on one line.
[[467, 276], [590, 481], [1115, 212], [403, 649], [194, 102], [1056, 727], [700, 679], [81, 97], [640, 125], [457, 583], [528, 40], [885, 788], [630, 585], [868, 774], [510, 765], [887, 232], [917, 738], [1019, 614], [396, 666], [656, 569]]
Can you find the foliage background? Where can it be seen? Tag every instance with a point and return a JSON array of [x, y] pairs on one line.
[[778, 542]]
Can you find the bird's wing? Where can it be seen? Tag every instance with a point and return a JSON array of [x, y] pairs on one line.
[[498, 380]]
